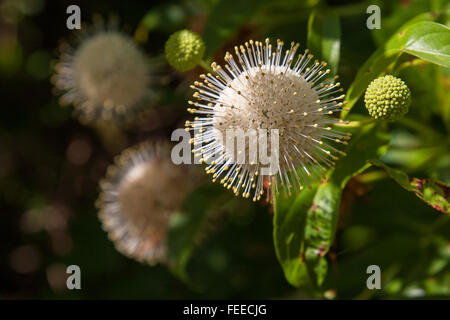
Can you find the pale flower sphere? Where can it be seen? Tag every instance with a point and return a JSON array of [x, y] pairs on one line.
[[138, 196], [106, 77], [264, 89], [118, 74]]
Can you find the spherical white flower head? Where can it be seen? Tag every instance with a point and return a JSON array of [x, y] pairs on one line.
[[139, 195], [106, 77], [111, 69], [264, 89]]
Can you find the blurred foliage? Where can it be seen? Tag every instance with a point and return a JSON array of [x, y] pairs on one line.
[[324, 238], [324, 38]]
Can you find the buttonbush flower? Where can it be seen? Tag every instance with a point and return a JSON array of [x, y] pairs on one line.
[[263, 88], [184, 50], [387, 98], [105, 76], [138, 196]]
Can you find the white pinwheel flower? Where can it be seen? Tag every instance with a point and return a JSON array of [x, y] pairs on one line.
[[262, 87]]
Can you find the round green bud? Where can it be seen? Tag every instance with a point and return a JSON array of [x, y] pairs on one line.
[[184, 50], [387, 98]]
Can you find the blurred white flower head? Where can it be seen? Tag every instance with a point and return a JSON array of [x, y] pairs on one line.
[[106, 77], [138, 196]]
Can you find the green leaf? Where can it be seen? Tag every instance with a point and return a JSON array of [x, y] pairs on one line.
[[395, 14], [320, 228], [434, 193], [322, 217], [289, 223], [305, 225], [426, 40], [324, 33], [186, 227]]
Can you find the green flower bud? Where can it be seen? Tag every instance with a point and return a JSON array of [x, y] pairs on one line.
[[387, 98], [184, 50]]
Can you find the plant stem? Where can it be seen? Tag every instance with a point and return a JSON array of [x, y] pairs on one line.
[[372, 176], [205, 66], [112, 137], [356, 123], [407, 64]]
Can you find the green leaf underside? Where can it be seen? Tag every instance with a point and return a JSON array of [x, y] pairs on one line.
[[432, 192], [324, 33], [320, 227], [427, 40], [305, 225]]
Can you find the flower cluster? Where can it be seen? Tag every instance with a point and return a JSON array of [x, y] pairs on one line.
[[184, 50], [262, 87], [387, 98]]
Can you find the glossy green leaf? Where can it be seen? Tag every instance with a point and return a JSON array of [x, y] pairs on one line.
[[321, 221], [305, 226], [320, 228], [289, 223], [324, 38], [434, 193], [426, 40], [396, 13]]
